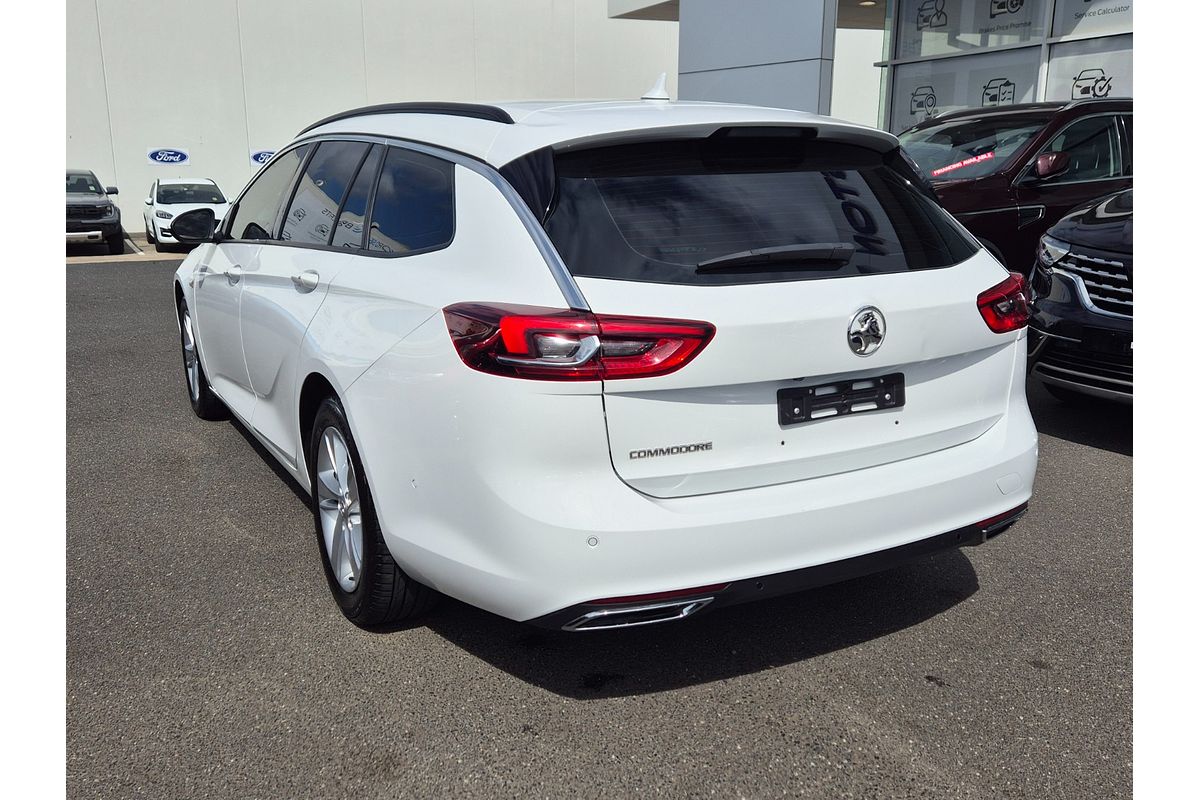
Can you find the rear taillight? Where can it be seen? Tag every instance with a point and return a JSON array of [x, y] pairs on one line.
[[559, 344], [1005, 306]]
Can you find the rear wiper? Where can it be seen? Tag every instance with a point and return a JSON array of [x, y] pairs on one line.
[[816, 253]]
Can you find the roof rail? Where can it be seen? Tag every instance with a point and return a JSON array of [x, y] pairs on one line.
[[1087, 100], [472, 110]]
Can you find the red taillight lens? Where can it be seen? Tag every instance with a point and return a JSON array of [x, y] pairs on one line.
[[1005, 306], [557, 344]]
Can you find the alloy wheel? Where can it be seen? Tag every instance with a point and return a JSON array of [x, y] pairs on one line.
[[339, 509], [191, 363]]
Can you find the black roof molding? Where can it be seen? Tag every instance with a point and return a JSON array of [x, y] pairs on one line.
[[1052, 105], [472, 110]]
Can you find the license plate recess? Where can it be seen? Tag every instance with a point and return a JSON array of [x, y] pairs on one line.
[[852, 396]]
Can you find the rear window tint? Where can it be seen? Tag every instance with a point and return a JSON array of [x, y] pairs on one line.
[[654, 212], [414, 204]]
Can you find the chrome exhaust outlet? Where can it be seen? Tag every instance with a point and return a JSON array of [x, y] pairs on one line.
[[631, 616]]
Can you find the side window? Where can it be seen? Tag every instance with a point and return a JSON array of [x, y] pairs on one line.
[[348, 232], [256, 212], [1094, 149], [320, 190], [414, 204]]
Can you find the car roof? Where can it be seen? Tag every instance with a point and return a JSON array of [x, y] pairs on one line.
[[498, 133], [174, 181], [1030, 109]]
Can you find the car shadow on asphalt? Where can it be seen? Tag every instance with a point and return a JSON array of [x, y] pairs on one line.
[[1108, 426], [726, 643], [270, 460]]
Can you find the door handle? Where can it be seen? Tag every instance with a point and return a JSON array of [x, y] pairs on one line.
[[233, 274], [306, 281]]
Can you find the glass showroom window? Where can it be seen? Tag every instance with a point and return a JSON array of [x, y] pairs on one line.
[[952, 54], [937, 27], [925, 88], [1091, 69]]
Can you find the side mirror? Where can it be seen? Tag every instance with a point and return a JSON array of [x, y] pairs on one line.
[[110, 190], [1050, 164], [149, 202], [194, 227]]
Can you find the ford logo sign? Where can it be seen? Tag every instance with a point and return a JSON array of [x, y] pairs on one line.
[[167, 155], [260, 157]]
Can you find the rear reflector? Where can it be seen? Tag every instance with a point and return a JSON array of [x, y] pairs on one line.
[[1000, 519], [1005, 306], [645, 598], [563, 345]]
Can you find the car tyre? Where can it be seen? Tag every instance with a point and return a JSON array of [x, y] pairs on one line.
[[150, 235], [116, 245], [369, 586], [205, 404]]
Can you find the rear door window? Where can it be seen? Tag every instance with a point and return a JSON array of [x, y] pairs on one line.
[[319, 192], [703, 212]]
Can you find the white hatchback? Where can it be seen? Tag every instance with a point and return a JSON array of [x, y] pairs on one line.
[[170, 197], [594, 365]]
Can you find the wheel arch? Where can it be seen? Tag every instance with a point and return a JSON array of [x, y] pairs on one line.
[[314, 389], [180, 297]]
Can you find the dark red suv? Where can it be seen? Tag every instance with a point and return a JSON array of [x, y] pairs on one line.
[[1010, 172]]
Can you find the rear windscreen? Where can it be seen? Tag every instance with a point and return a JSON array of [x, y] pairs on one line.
[[698, 212]]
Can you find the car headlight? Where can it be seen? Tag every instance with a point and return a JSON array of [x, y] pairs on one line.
[[1051, 251], [106, 210], [163, 214]]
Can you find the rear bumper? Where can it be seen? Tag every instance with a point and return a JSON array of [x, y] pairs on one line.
[[505, 496], [525, 544], [597, 616]]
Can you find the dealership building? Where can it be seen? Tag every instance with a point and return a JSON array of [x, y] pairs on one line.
[[235, 83]]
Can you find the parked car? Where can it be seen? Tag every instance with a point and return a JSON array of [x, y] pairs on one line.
[[170, 197], [1081, 334], [91, 216], [593, 365], [1009, 173]]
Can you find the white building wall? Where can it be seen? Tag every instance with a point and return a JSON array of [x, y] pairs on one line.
[[224, 77]]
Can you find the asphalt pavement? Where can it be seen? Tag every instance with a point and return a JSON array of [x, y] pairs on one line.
[[206, 658]]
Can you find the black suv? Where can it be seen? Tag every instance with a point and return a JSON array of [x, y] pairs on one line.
[[91, 216], [1081, 333]]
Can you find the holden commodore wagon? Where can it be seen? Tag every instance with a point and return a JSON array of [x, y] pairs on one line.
[[595, 365]]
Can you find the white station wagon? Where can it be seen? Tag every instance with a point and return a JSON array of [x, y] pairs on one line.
[[594, 365]]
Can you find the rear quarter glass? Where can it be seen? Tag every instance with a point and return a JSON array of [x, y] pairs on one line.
[[653, 211]]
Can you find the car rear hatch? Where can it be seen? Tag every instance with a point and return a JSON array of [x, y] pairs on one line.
[[854, 340]]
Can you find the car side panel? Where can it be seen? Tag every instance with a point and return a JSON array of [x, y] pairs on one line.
[[375, 302], [215, 309]]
